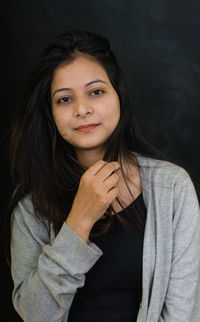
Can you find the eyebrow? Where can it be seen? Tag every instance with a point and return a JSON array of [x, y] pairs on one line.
[[88, 84]]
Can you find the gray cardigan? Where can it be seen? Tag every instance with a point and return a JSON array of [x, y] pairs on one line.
[[48, 269]]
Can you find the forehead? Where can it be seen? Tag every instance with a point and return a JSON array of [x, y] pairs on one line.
[[78, 72]]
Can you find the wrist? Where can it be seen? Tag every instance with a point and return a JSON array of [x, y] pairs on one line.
[[81, 228]]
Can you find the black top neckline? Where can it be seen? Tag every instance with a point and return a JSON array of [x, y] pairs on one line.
[[136, 200]]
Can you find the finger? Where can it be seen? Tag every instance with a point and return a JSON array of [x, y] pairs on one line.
[[96, 167], [113, 193], [108, 170], [112, 180]]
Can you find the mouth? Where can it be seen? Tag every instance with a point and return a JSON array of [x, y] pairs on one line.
[[87, 128]]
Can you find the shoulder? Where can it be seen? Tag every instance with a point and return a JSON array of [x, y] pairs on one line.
[[161, 172], [25, 220], [24, 210]]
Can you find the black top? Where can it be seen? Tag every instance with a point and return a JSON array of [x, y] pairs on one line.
[[113, 286]]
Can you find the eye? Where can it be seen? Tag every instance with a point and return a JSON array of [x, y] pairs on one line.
[[63, 100], [97, 92]]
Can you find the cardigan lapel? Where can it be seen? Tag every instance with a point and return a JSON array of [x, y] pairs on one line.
[[157, 249], [148, 248]]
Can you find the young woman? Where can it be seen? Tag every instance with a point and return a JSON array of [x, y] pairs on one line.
[[104, 228]]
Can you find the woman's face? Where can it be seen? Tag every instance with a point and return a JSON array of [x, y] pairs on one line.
[[82, 94]]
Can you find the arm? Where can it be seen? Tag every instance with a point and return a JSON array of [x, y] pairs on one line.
[[182, 302], [46, 276]]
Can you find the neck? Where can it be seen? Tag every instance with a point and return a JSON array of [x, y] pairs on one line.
[[87, 158]]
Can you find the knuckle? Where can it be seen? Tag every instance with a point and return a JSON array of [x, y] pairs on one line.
[[117, 165], [115, 175], [84, 179], [116, 190], [102, 162], [102, 202], [111, 166]]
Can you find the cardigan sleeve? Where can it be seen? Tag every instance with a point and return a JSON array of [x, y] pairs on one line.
[[182, 302], [46, 276]]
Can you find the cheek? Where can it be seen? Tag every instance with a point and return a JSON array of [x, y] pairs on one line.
[[112, 105], [61, 121], [115, 110]]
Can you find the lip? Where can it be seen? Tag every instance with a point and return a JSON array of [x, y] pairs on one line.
[[87, 127]]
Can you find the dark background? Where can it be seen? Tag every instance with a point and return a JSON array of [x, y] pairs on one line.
[[157, 44]]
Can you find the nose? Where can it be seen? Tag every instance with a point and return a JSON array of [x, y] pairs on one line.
[[82, 108]]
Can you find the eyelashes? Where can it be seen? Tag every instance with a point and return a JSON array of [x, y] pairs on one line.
[[67, 99], [63, 100], [97, 91]]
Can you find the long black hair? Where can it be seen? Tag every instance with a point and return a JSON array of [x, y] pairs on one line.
[[44, 166]]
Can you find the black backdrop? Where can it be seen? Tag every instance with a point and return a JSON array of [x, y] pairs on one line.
[[156, 43]]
